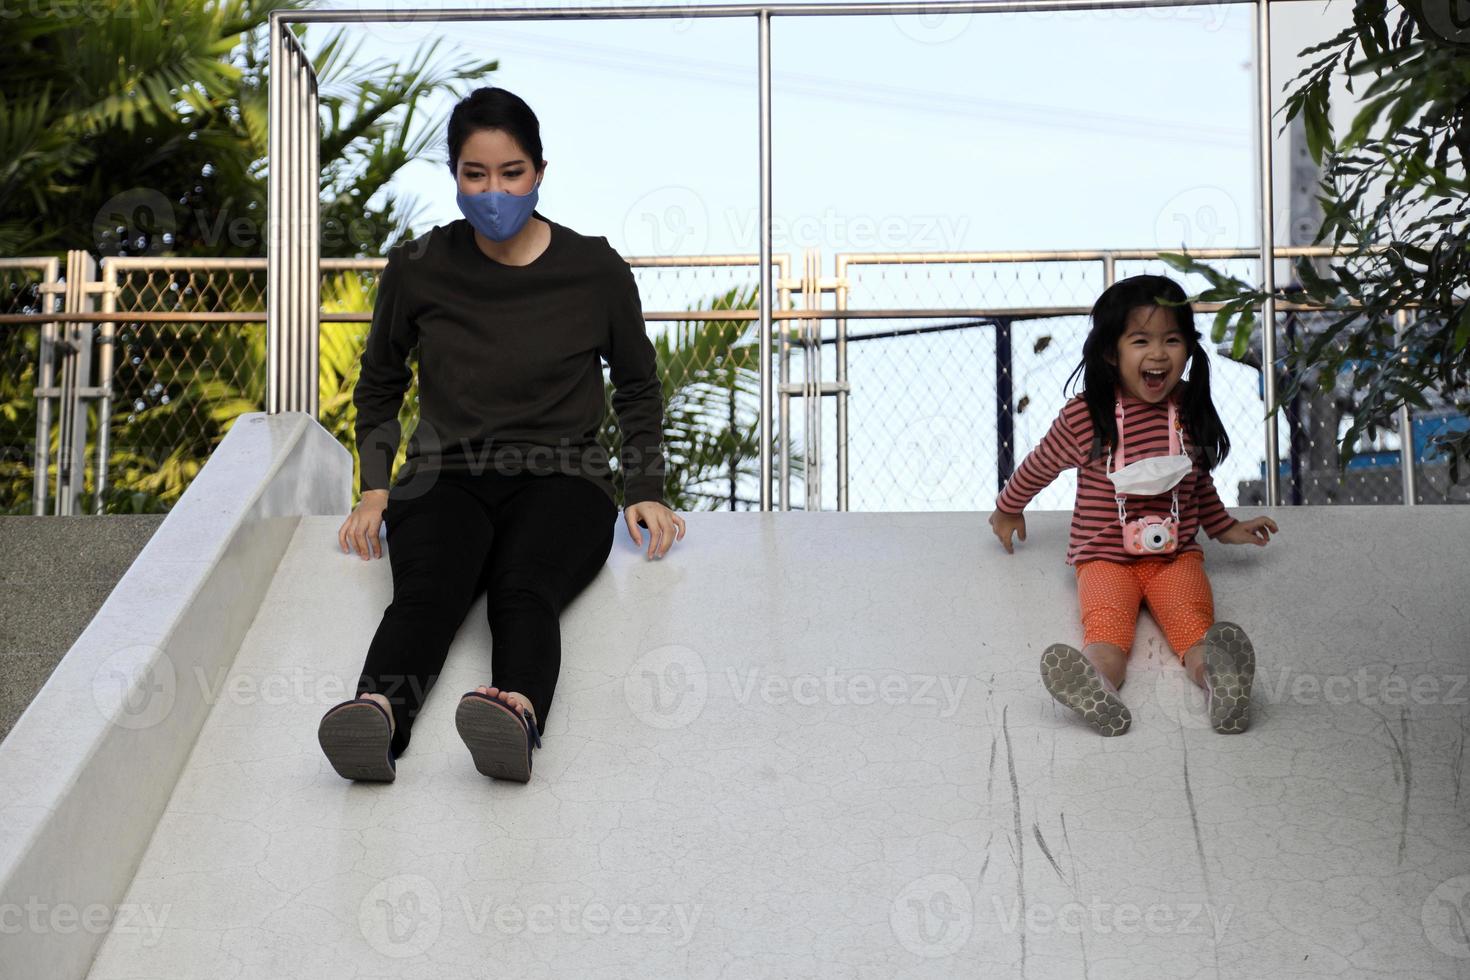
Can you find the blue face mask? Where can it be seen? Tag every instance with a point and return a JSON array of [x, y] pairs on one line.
[[498, 215]]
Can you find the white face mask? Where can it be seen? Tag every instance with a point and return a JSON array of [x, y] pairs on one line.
[[1155, 475]]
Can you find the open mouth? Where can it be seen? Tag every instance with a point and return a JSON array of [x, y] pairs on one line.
[[1154, 380]]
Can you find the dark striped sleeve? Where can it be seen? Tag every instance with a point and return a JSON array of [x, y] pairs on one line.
[[1057, 451]]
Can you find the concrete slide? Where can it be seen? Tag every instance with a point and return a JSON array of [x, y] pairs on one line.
[[802, 745]]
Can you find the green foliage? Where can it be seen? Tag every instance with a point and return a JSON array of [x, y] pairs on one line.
[[138, 127], [1397, 202], [103, 101], [111, 104], [711, 391]]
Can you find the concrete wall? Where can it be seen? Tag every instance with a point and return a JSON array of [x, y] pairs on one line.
[[90, 764]]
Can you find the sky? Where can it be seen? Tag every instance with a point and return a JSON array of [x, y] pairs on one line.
[[1065, 130]]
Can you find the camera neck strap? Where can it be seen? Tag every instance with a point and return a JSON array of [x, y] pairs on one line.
[[1175, 449]]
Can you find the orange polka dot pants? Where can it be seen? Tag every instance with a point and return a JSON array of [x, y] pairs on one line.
[[1176, 589]]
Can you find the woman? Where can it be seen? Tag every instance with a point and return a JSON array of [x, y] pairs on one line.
[[505, 489]]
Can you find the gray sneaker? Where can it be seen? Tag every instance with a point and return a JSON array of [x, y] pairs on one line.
[[1072, 680], [1230, 668]]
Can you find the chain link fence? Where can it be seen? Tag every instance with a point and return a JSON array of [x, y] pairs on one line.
[[22, 293], [943, 407], [188, 338], [948, 368], [179, 383]]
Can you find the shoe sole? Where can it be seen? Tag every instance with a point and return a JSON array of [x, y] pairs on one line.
[[1230, 669], [1074, 682], [496, 738], [357, 741]]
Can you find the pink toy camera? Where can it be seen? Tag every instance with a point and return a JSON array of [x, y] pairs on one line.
[[1150, 536]]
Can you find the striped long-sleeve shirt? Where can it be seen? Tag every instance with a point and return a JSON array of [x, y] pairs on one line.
[[1095, 530]]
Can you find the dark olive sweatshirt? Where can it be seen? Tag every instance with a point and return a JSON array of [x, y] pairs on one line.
[[510, 374]]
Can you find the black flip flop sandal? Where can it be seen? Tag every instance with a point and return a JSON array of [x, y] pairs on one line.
[[357, 737], [1230, 668], [1074, 682], [498, 736]]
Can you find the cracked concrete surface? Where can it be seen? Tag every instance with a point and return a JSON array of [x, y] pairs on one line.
[[817, 745]]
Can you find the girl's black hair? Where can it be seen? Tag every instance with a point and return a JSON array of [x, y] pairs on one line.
[[1100, 379], [494, 108]]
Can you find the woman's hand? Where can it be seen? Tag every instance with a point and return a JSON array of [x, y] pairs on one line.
[[1257, 531], [664, 526], [1004, 525], [361, 527]]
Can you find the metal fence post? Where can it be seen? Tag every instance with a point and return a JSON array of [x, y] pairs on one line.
[[52, 293], [840, 288], [1268, 249], [106, 361], [81, 272], [293, 289], [1407, 451], [1005, 406], [763, 43]]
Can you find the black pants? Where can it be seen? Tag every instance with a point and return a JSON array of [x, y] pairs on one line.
[[529, 542]]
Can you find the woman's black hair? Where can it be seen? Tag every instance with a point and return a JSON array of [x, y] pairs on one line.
[[1100, 379], [494, 108]]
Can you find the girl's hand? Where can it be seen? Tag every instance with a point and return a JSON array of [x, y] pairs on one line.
[[664, 526], [1257, 531], [361, 527], [1004, 525]]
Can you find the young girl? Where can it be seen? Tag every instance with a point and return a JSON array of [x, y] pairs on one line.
[[1144, 441]]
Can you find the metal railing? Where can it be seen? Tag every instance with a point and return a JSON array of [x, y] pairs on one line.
[[291, 112], [790, 337], [968, 351], [179, 346], [32, 287]]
